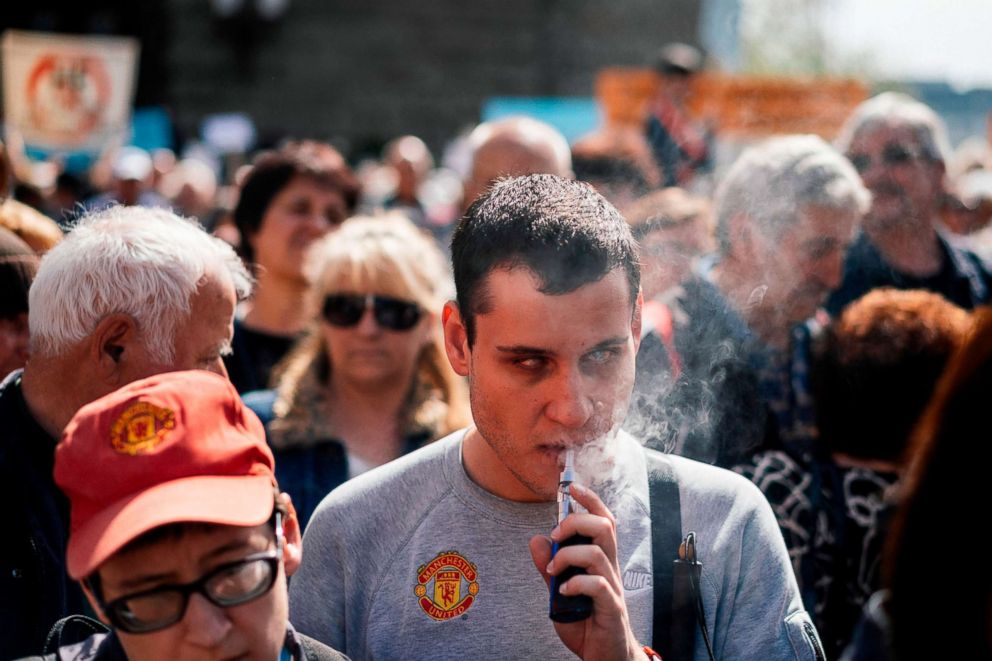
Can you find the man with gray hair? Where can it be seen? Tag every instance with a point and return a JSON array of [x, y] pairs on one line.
[[129, 293], [786, 212], [513, 147], [899, 146]]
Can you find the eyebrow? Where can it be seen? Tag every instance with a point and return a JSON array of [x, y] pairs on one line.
[[534, 351], [235, 545], [135, 584]]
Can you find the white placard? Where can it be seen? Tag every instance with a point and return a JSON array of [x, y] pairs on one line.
[[71, 93]]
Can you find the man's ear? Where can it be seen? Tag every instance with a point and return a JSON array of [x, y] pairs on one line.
[[943, 183], [93, 602], [746, 240], [455, 338], [635, 320], [292, 550], [112, 340]]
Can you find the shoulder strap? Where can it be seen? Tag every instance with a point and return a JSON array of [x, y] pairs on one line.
[[72, 629], [674, 625]]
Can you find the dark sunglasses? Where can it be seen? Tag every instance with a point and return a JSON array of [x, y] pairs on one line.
[[346, 310], [891, 155]]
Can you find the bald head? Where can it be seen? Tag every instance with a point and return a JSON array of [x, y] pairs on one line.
[[514, 147]]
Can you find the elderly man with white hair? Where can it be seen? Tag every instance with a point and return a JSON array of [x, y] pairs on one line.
[[129, 293], [786, 212], [899, 146]]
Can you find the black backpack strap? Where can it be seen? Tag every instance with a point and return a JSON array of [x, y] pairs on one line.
[[673, 627], [72, 629]]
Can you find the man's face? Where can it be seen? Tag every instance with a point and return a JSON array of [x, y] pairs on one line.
[[805, 263], [201, 339], [253, 630], [546, 373], [905, 185]]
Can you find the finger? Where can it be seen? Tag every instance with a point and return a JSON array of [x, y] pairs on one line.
[[540, 553], [589, 500], [588, 557], [577, 523], [606, 602], [601, 530]]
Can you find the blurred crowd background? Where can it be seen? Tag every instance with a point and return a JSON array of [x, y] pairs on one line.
[[276, 122]]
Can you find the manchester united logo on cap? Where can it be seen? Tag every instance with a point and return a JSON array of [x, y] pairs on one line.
[[446, 586], [140, 428]]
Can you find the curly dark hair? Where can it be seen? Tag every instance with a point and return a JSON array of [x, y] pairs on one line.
[[876, 368]]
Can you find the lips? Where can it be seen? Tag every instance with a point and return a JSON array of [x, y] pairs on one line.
[[555, 452], [890, 191], [368, 354], [551, 452]]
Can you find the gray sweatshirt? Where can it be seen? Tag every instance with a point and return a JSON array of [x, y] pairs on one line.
[[414, 560]]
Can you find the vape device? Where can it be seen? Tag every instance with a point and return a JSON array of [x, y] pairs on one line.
[[567, 608]]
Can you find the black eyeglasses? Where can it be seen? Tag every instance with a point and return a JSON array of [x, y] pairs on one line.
[[346, 310], [230, 584], [892, 154]]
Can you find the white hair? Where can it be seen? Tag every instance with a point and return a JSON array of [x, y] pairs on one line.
[[147, 263], [895, 109], [773, 181]]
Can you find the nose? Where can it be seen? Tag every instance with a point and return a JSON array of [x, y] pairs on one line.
[[206, 625], [367, 325], [877, 172], [570, 403], [831, 269], [319, 222], [314, 225]]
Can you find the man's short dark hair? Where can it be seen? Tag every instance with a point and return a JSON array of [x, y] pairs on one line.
[[563, 231]]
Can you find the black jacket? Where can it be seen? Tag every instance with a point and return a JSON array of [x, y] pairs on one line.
[[106, 647], [963, 279], [35, 590]]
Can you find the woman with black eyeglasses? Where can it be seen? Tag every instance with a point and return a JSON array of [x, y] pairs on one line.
[[370, 380]]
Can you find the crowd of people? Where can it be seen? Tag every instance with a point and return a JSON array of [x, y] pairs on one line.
[[289, 393]]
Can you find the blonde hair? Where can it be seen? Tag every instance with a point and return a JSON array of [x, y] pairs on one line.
[[386, 254]]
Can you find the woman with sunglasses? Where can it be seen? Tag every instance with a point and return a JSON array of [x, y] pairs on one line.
[[370, 381], [291, 198]]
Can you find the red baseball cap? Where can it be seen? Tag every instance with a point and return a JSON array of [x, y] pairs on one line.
[[171, 448]]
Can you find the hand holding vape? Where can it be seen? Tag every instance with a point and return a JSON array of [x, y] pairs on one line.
[[567, 608]]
